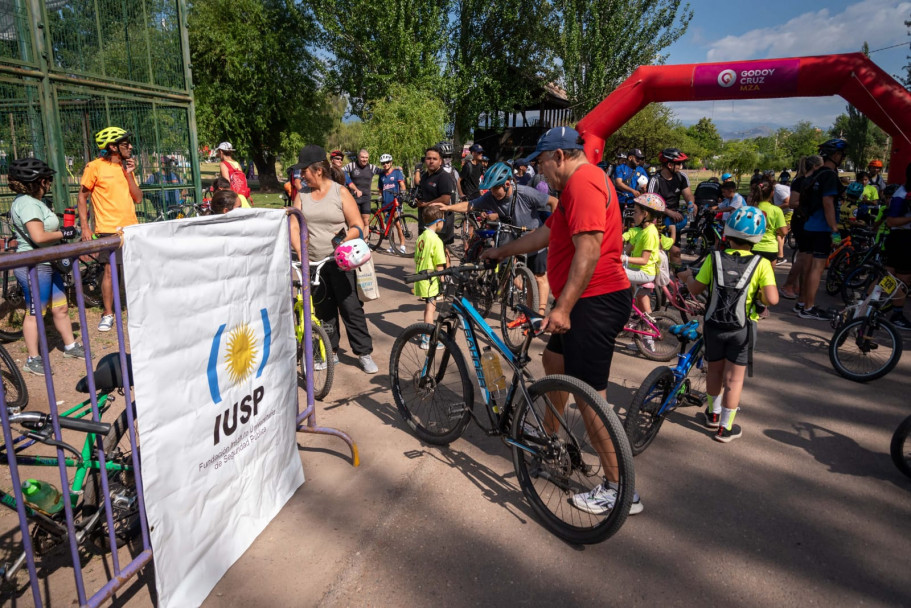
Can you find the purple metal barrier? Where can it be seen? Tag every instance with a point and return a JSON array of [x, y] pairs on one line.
[[306, 420], [28, 516]]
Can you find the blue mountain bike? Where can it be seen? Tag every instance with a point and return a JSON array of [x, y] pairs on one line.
[[667, 388], [565, 439]]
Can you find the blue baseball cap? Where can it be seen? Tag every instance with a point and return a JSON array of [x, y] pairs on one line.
[[476, 148], [558, 138]]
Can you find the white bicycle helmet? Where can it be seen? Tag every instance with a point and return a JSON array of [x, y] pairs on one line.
[[386, 158], [352, 254]]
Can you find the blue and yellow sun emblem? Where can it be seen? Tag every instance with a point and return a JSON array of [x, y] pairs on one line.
[[241, 354]]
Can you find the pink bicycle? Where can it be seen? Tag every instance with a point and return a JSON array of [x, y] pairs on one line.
[[651, 333]]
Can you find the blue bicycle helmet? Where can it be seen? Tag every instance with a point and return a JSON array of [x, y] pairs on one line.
[[496, 175], [747, 223], [726, 177], [828, 148], [855, 191]]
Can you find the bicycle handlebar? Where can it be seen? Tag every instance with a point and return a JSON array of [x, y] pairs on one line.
[[503, 225], [37, 421], [453, 271]]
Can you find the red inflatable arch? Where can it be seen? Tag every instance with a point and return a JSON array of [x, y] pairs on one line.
[[852, 76]]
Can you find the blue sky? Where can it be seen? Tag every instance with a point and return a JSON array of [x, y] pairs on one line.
[[727, 30]]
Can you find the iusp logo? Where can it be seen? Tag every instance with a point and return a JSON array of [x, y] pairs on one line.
[[235, 356], [727, 78]]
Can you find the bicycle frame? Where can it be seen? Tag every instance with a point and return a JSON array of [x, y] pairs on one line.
[[473, 325], [653, 330], [686, 361], [82, 464], [386, 214]]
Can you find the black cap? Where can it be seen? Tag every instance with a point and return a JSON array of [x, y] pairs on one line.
[[309, 155], [636, 152]]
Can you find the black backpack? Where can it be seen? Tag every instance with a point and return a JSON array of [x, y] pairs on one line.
[[809, 202], [732, 274]]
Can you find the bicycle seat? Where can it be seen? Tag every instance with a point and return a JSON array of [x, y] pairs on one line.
[[108, 375], [647, 286]]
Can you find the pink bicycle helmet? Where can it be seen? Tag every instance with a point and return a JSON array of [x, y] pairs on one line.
[[352, 254], [652, 201]]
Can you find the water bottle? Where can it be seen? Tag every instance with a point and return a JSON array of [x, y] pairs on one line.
[[493, 372], [42, 495]]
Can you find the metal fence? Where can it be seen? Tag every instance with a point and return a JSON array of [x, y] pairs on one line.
[[69, 68]]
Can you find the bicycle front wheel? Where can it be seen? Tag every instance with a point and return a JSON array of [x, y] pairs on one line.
[[397, 242], [900, 448], [662, 347], [13, 384], [430, 385], [865, 349], [569, 451], [644, 418], [522, 289], [323, 365]]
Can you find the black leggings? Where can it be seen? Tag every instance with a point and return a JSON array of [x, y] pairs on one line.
[[337, 293]]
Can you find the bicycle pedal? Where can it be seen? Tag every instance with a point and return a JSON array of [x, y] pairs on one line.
[[457, 410]]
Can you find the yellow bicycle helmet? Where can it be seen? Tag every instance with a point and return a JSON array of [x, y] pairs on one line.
[[110, 135]]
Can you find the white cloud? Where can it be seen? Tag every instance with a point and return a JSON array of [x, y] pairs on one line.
[[879, 22]]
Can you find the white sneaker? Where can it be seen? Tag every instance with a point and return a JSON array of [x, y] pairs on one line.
[[106, 323], [602, 499], [402, 249], [368, 365]]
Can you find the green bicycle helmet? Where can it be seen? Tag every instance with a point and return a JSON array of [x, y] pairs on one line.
[[110, 135], [496, 175]]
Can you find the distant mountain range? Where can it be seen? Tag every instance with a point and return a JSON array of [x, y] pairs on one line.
[[760, 131]]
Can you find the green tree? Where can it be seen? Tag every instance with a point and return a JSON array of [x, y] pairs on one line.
[[499, 54], [865, 139], [378, 45], [403, 123], [706, 135], [650, 130], [256, 82], [802, 140], [739, 157], [602, 41]]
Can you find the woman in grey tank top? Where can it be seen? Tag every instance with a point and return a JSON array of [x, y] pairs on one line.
[[329, 208]]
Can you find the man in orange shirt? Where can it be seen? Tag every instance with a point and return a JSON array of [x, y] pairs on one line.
[[111, 182]]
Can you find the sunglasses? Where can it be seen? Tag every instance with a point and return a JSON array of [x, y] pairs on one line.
[[124, 143]]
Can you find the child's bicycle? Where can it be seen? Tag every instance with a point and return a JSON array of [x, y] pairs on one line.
[[667, 388], [86, 494], [865, 346], [323, 363], [651, 333], [561, 446]]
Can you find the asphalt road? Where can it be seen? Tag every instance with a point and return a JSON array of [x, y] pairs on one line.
[[806, 508]]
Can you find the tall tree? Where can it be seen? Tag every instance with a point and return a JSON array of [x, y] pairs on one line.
[[802, 140], [865, 139], [499, 54], [706, 135], [650, 130], [377, 45], [256, 82], [403, 123], [602, 41]]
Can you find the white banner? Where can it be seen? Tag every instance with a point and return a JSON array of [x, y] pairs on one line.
[[212, 339]]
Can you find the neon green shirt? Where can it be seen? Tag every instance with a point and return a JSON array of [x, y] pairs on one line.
[[774, 220], [429, 253], [644, 239], [870, 193], [763, 277]]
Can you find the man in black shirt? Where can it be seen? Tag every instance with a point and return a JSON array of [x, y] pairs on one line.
[[361, 173], [471, 172], [437, 186], [672, 184]]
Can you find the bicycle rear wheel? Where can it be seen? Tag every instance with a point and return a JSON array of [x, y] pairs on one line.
[[643, 419], [900, 448], [856, 283], [374, 232], [835, 274], [522, 289], [13, 384], [570, 454], [13, 308], [431, 386], [396, 242], [865, 349], [662, 348], [121, 488], [323, 365]]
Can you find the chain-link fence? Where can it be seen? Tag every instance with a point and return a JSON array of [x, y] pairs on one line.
[[69, 68]]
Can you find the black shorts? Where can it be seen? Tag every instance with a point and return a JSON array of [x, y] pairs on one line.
[[588, 346], [103, 258], [729, 345], [819, 244], [898, 251], [364, 206], [769, 255], [537, 262]]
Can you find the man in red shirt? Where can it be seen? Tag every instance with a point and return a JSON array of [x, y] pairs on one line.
[[586, 276]]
